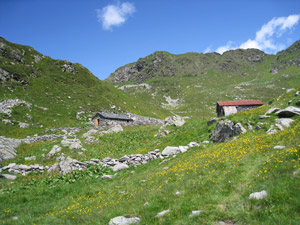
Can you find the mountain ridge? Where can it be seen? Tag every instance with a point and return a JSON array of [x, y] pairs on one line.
[[165, 64], [195, 81]]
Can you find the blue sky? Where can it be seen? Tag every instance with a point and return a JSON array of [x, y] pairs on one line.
[[103, 35]]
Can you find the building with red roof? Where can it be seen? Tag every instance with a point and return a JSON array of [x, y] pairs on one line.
[[231, 107]]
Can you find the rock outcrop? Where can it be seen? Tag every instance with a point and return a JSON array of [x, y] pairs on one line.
[[8, 145], [224, 130], [288, 112]]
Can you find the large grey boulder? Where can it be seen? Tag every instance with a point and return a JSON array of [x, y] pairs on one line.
[[122, 220], [171, 151], [224, 130], [289, 112]]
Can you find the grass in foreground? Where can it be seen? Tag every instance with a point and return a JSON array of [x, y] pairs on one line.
[[216, 179]]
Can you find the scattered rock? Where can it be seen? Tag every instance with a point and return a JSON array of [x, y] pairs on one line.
[[30, 158], [5, 106], [284, 121], [205, 142], [8, 176], [195, 213], [145, 86], [23, 125], [227, 222], [224, 130], [183, 149], [297, 93], [279, 147], [258, 127], [272, 130], [120, 166], [90, 132], [5, 121], [91, 140], [175, 120], [15, 218], [274, 71], [122, 220], [115, 129], [146, 203], [263, 117], [68, 67], [258, 195], [76, 146], [298, 102], [193, 144], [242, 128], [55, 149], [105, 177], [162, 213]]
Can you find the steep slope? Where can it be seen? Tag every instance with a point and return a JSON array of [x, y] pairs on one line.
[[191, 83], [55, 93]]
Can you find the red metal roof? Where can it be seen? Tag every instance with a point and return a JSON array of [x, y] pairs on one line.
[[241, 102]]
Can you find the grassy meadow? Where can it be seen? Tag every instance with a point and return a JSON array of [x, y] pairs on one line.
[[214, 178]]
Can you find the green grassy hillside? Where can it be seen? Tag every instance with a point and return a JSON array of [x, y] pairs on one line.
[[57, 90], [216, 179], [196, 81]]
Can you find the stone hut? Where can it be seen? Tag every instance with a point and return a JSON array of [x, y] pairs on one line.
[[231, 107], [102, 118]]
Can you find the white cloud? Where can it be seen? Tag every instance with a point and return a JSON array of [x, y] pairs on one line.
[[208, 49], [228, 46], [250, 44], [264, 39], [115, 15]]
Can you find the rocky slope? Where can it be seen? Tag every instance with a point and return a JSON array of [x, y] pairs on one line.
[[164, 64], [191, 83], [38, 92]]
